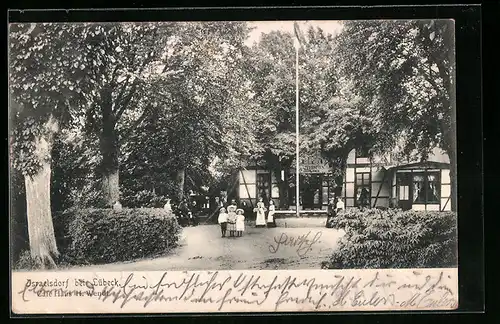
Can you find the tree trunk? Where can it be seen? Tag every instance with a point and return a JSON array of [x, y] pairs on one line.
[[179, 180], [338, 162], [111, 187], [109, 152], [41, 235]]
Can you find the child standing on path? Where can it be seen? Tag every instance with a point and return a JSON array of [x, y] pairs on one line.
[[223, 221], [231, 218], [240, 222]]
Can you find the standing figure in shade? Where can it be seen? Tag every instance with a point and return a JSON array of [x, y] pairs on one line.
[[223, 221], [231, 218], [168, 207], [184, 211], [339, 206], [194, 213], [240, 222], [260, 219], [364, 198], [270, 215]]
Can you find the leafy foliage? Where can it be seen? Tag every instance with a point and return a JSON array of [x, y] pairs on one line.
[[74, 164], [43, 85], [103, 235], [404, 71], [395, 239], [202, 101], [273, 88], [142, 199], [25, 262]]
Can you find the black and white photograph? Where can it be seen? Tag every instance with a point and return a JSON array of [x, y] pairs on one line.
[[232, 145]]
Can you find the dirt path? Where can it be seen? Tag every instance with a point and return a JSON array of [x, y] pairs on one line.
[[202, 248]]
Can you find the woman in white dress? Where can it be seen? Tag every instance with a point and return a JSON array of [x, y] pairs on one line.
[[270, 215], [168, 207], [260, 219]]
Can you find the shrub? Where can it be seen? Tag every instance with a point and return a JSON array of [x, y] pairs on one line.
[[142, 198], [395, 239], [103, 235], [25, 262]]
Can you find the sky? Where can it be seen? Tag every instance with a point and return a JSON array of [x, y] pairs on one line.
[[328, 26]]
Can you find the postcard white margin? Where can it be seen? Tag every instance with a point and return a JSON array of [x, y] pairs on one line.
[[69, 292]]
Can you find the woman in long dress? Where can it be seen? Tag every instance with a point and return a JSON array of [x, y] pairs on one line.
[[270, 215], [260, 219]]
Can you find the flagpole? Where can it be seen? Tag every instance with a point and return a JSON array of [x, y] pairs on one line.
[[297, 172]]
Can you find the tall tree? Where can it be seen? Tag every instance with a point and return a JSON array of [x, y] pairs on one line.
[[205, 96], [405, 71], [119, 61], [273, 85], [42, 98]]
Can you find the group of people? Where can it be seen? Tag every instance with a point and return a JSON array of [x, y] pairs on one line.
[[232, 218], [260, 210], [184, 212]]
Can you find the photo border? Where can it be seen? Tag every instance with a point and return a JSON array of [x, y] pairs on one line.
[[468, 102]]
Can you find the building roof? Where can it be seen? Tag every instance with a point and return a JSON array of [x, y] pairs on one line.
[[418, 165]]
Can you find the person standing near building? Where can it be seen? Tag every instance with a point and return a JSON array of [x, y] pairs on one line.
[[260, 219], [364, 198], [339, 205], [194, 212], [332, 211], [270, 215]]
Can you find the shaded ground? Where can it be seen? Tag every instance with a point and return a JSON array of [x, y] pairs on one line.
[[202, 248]]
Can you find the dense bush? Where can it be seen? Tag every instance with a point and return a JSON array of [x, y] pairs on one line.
[[395, 239], [142, 199], [24, 261], [93, 236]]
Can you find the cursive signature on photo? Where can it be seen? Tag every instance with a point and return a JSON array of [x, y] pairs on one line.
[[303, 243]]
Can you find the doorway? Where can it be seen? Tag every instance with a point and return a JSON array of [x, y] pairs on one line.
[[310, 191], [403, 182]]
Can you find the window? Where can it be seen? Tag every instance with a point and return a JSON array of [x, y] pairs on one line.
[[404, 192], [275, 189], [264, 186], [275, 192], [426, 188], [247, 187], [404, 182], [363, 189], [247, 191]]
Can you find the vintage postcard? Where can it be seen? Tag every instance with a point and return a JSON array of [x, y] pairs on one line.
[[232, 166]]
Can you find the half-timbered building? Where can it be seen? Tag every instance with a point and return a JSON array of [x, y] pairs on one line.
[[385, 183]]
